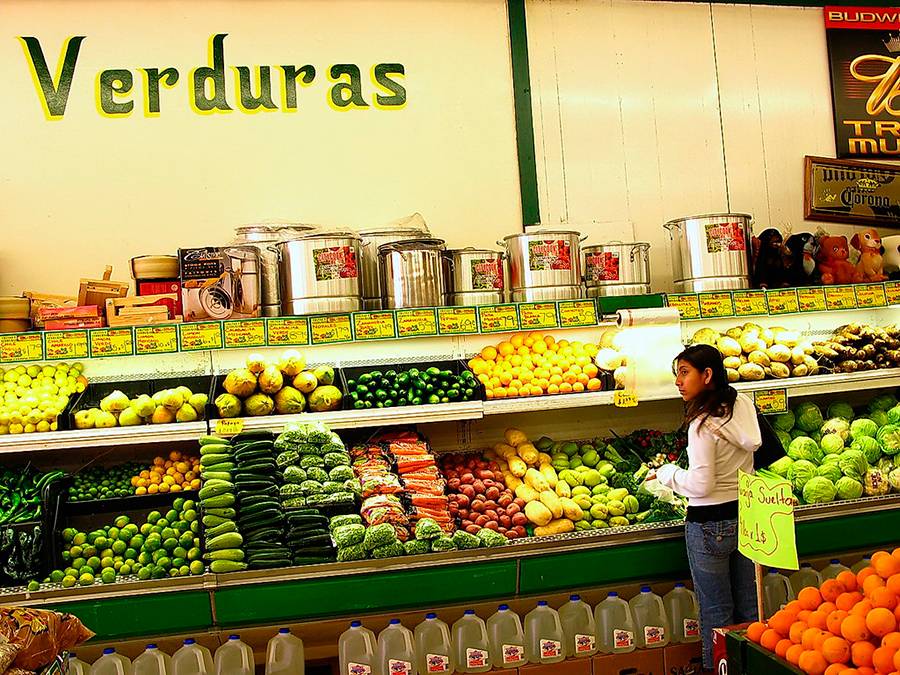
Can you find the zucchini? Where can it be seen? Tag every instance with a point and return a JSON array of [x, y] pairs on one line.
[[215, 449], [226, 513], [223, 541], [264, 514], [258, 506], [234, 554], [260, 536], [210, 520], [215, 475], [213, 440], [218, 502], [224, 566], [254, 447], [214, 458], [214, 488], [221, 528]]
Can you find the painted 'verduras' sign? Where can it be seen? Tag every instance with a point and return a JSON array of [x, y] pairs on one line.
[[257, 88]]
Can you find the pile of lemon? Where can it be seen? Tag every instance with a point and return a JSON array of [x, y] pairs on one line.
[[535, 364]]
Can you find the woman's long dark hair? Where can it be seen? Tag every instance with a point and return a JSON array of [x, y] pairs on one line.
[[718, 400]]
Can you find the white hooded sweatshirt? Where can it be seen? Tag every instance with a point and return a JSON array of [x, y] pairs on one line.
[[717, 449]]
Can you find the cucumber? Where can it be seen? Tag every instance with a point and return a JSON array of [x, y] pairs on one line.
[[214, 488], [221, 528], [218, 502], [223, 541], [235, 554], [210, 520], [227, 513], [224, 566]]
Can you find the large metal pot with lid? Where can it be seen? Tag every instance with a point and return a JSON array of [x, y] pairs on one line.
[[617, 269], [413, 273], [319, 273], [371, 239], [261, 236], [710, 252], [476, 277], [543, 258]]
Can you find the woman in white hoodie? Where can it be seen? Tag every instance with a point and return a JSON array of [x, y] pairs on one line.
[[723, 434]]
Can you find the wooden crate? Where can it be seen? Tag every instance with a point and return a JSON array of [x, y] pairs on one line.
[[141, 310]]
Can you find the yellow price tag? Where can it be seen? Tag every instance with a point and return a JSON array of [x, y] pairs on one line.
[[749, 303], [287, 332], [111, 342], [330, 328], [811, 299], [622, 398], [892, 292], [870, 295], [534, 315], [374, 326], [497, 318], [575, 313], [840, 297], [197, 336], [687, 304], [769, 401], [416, 322], [244, 333], [783, 301], [457, 320], [21, 347], [66, 344], [766, 531], [155, 339], [716, 304], [229, 427]]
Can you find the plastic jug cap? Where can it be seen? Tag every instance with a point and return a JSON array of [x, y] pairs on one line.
[[234, 637], [109, 650], [355, 624], [469, 612], [430, 616], [503, 608], [612, 594], [394, 622], [574, 598], [645, 589], [542, 603], [189, 641], [835, 561], [284, 631], [679, 585], [151, 646]]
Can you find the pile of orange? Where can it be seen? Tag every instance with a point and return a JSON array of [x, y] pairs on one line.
[[534, 364], [847, 625], [177, 473]]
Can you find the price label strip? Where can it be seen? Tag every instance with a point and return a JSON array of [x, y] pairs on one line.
[[194, 337], [536, 315], [21, 347], [229, 427], [623, 398], [811, 299], [155, 339], [111, 342], [870, 295], [244, 333], [287, 332], [416, 322], [840, 297], [577, 313], [457, 320], [783, 301], [66, 344], [749, 303], [687, 304], [771, 401], [330, 329], [892, 292], [714, 305], [374, 326], [497, 318]]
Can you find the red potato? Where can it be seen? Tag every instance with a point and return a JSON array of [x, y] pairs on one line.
[[519, 519], [478, 485], [519, 502], [512, 534], [467, 479], [482, 520], [472, 529], [491, 513], [520, 529], [504, 520], [492, 525], [464, 513], [462, 501], [485, 473], [468, 491], [513, 509], [453, 483], [501, 530], [504, 500], [490, 504], [492, 493]]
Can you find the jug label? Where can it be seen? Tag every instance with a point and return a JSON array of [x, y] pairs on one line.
[[487, 275], [396, 667], [623, 639], [549, 254], [358, 669], [602, 266], [550, 649], [335, 262], [584, 643], [476, 658], [437, 663], [654, 635], [691, 628], [513, 654], [725, 237]]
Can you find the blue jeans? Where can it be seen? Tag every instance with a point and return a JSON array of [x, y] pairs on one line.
[[724, 580]]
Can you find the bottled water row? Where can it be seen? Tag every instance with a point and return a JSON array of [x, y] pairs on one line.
[[548, 636], [779, 589]]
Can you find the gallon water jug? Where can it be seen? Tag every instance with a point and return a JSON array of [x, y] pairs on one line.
[[805, 576], [434, 650], [234, 658], [833, 568], [650, 621], [470, 644], [356, 650], [112, 664], [396, 654], [543, 635], [615, 625], [284, 654], [506, 638], [579, 631], [683, 614], [192, 659], [77, 666], [153, 662], [777, 592], [861, 565]]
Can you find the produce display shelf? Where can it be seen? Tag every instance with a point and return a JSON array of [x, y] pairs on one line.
[[556, 402], [827, 384], [94, 438]]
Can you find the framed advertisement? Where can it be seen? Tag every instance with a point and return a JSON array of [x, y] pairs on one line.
[[850, 191]]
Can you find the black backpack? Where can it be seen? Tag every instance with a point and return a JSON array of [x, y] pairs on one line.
[[771, 448]]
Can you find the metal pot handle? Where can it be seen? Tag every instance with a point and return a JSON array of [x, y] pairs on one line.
[[276, 251], [501, 243], [582, 237]]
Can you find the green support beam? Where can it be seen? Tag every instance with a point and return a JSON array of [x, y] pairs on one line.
[[521, 76]]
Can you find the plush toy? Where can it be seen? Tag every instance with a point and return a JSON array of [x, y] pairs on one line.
[[802, 248], [891, 256], [833, 264], [868, 243], [768, 267]]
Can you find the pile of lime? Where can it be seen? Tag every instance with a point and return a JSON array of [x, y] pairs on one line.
[[104, 482], [165, 545]]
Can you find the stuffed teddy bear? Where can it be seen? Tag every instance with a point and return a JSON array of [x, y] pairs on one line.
[[891, 256], [802, 249], [833, 261], [870, 266], [768, 265]]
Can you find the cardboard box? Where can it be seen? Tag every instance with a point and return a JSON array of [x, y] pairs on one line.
[[74, 324], [683, 659], [61, 313], [40, 300], [219, 283], [720, 649], [567, 667], [162, 287], [638, 662]]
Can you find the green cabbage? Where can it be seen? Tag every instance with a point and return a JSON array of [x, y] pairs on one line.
[[894, 479], [781, 466], [832, 444], [784, 422], [863, 426], [847, 488], [840, 409], [804, 448], [831, 459], [837, 425], [876, 483], [893, 415], [830, 471], [797, 433], [784, 437], [879, 417], [884, 402], [818, 490], [889, 437], [869, 447], [816, 436], [809, 417], [853, 463], [800, 472]]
